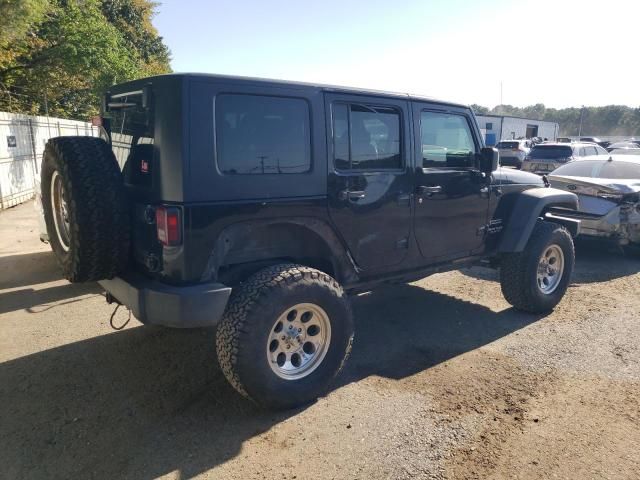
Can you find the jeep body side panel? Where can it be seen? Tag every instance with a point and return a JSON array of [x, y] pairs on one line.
[[227, 236], [528, 207]]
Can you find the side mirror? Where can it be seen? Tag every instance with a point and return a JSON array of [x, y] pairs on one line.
[[489, 160]]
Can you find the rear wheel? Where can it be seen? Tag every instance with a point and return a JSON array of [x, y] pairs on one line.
[[85, 208], [285, 335], [536, 279]]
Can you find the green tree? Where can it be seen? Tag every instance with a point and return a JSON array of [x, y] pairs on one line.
[[72, 52]]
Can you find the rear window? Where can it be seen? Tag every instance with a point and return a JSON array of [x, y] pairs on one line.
[[130, 126], [600, 169], [258, 135], [550, 152], [508, 145]]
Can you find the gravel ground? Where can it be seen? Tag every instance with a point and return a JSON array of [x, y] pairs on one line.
[[445, 381]]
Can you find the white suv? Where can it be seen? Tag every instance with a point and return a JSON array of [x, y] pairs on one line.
[[513, 152]]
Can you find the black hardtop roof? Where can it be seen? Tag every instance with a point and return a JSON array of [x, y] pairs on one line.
[[292, 84]]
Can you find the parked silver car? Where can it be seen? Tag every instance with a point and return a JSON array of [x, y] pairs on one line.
[[546, 157], [608, 189], [513, 152]]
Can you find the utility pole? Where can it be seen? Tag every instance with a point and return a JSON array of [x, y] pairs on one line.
[[581, 116]]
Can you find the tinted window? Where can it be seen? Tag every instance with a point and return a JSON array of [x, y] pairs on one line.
[[366, 137], [600, 169], [508, 145], [261, 135], [129, 127], [550, 152], [446, 140]]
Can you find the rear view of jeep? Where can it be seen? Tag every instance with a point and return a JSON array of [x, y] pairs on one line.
[[258, 207]]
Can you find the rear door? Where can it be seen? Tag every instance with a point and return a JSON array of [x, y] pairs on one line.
[[370, 180], [452, 196]]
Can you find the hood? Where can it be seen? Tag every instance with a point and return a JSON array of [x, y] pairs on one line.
[[593, 186], [510, 175]]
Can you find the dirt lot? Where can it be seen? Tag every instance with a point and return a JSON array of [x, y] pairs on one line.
[[445, 381]]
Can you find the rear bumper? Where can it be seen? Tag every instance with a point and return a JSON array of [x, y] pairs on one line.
[[510, 161], [156, 303]]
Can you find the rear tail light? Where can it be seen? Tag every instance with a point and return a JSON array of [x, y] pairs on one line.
[[169, 226]]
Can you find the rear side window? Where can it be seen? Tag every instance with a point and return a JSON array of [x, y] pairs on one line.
[[508, 145], [132, 138], [550, 152], [258, 135], [366, 137], [446, 140]]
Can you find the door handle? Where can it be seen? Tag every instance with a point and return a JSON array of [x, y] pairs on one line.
[[428, 191], [352, 194]]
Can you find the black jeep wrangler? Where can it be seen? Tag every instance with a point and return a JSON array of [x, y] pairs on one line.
[[260, 206]]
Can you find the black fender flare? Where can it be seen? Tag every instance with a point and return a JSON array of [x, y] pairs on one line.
[[531, 206], [281, 237]]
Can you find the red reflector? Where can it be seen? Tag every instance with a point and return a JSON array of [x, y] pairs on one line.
[[168, 226]]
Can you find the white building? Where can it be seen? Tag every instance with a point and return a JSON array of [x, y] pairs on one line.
[[500, 127]]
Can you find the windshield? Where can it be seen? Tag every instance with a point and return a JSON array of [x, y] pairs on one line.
[[508, 145], [623, 145], [600, 169], [550, 152], [626, 151]]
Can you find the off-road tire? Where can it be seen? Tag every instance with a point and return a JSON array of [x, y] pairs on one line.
[[254, 306], [518, 271], [98, 212]]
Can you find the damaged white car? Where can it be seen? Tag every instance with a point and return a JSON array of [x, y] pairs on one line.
[[608, 188]]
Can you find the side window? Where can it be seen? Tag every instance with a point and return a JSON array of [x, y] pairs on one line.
[[446, 140], [262, 135], [601, 151], [582, 153], [366, 137]]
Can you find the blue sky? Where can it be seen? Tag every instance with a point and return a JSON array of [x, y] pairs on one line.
[[556, 52]]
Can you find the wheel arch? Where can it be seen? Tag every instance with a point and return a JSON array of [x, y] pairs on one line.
[[245, 247], [531, 206]]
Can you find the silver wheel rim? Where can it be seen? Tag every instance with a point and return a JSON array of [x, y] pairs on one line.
[[550, 269], [60, 211], [298, 341]]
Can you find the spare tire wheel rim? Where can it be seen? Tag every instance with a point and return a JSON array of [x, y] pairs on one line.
[[298, 341], [550, 269], [60, 211]]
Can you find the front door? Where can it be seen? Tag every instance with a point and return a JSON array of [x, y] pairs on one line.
[[370, 179], [451, 194]]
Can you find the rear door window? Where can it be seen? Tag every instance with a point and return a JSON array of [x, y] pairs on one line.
[[259, 135], [366, 137], [550, 152], [447, 141]]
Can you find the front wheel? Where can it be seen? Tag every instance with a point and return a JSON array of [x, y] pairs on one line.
[[536, 279], [285, 335]]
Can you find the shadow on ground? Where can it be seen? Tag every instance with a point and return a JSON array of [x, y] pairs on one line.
[[595, 262], [150, 401], [28, 269], [145, 402]]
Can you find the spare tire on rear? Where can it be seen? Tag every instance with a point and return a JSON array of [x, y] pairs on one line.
[[85, 208]]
